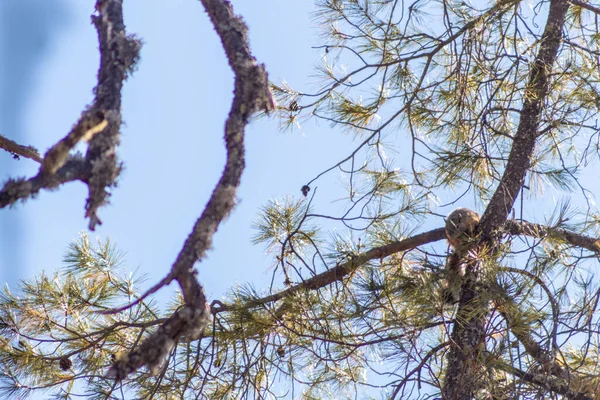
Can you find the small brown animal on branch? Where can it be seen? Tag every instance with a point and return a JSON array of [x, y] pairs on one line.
[[461, 227]]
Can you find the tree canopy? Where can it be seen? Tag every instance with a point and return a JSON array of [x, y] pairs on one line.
[[485, 105]]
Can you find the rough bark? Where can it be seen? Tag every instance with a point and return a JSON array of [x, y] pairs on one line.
[[462, 375], [540, 231], [251, 94], [99, 123], [20, 189], [18, 150]]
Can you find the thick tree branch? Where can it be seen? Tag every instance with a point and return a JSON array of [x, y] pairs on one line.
[[540, 231], [340, 271], [18, 150], [251, 95], [464, 369], [519, 159], [21, 189], [99, 123], [118, 55], [88, 125]]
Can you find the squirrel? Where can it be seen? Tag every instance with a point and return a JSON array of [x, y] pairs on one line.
[[461, 227]]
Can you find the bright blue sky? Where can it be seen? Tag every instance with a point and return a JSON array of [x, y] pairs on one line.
[[174, 109]]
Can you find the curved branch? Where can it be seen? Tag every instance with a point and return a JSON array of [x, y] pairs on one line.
[[340, 271], [99, 123], [251, 95], [102, 120], [553, 384], [75, 169]]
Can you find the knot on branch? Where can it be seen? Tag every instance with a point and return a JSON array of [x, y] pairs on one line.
[[186, 324]]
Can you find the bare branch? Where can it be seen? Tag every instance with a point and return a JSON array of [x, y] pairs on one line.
[[99, 123], [89, 124], [18, 150], [163, 282], [251, 95], [20, 189], [118, 55]]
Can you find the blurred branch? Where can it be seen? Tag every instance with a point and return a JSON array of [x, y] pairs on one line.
[[118, 55], [251, 94], [89, 124], [519, 327], [586, 6], [75, 168], [541, 231], [555, 385], [18, 150], [99, 123]]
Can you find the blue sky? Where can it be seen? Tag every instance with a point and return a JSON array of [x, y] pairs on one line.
[[174, 108]]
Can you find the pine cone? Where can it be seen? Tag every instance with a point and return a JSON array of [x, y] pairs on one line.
[[65, 363]]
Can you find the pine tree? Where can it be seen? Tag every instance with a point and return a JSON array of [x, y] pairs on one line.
[[490, 104]]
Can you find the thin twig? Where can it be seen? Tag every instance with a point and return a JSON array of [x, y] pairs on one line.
[[164, 282], [18, 150]]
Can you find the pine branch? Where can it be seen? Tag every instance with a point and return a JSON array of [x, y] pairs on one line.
[[251, 95], [541, 231], [342, 270], [509, 310], [519, 159], [461, 372], [586, 6], [555, 385]]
